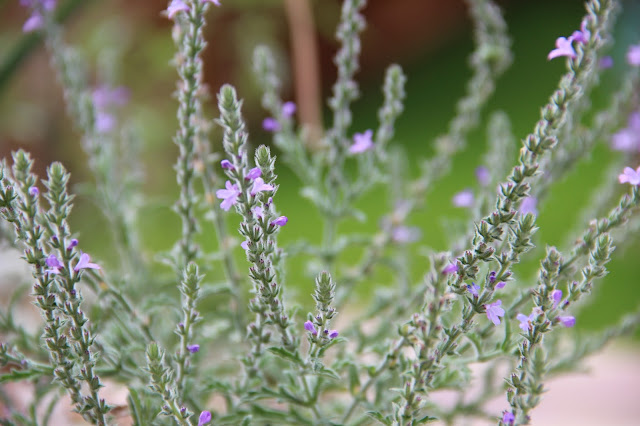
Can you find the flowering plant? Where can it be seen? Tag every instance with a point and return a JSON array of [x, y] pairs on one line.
[[248, 357]]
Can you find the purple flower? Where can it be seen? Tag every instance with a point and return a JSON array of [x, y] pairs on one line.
[[405, 234], [245, 245], [628, 139], [54, 264], [270, 124], [473, 289], [556, 296], [85, 263], [605, 62], [567, 321], [34, 191], [229, 195], [525, 321], [633, 55], [333, 334], [259, 186], [281, 221], [226, 164], [106, 97], [630, 176], [72, 244], [494, 311], [463, 198], [581, 36], [104, 100], [508, 418], [193, 348], [175, 7], [483, 176], [253, 174], [563, 48], [105, 122], [528, 205], [308, 325], [361, 142], [501, 284], [288, 109], [34, 22], [450, 268], [205, 416], [258, 212]]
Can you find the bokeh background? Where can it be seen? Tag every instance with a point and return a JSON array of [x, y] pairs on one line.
[[129, 43]]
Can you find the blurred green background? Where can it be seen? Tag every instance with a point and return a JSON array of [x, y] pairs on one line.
[[128, 43]]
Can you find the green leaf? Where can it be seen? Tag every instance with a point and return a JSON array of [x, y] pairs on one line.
[[379, 417], [426, 419], [18, 375], [135, 407], [328, 372], [285, 354], [354, 379]]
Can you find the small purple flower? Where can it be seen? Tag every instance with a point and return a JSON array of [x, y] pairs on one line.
[[193, 348], [281, 221], [258, 212], [492, 277], [556, 296], [483, 176], [450, 268], [54, 265], [308, 325], [288, 109], [501, 284], [361, 142], [581, 36], [34, 191], [175, 7], [567, 321], [229, 195], [226, 164], [105, 122], [473, 289], [259, 186], [34, 22], [245, 245], [605, 62], [404, 234], [270, 124], [633, 55], [494, 311], [508, 418], [630, 176], [72, 244], [106, 97], [563, 48], [333, 334], [628, 139], [205, 416], [525, 321], [253, 174], [528, 205], [463, 198], [85, 263]]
